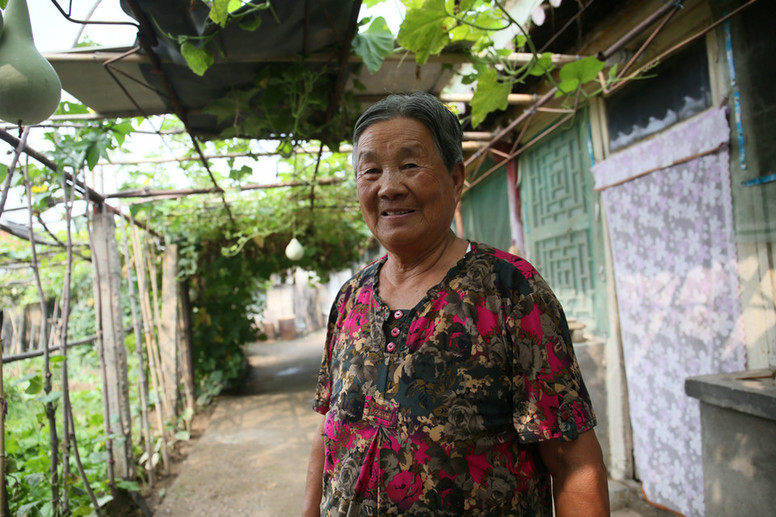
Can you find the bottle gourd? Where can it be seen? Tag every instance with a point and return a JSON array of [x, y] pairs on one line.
[[29, 87]]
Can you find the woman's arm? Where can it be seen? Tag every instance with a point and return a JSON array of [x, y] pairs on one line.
[[313, 487], [579, 481]]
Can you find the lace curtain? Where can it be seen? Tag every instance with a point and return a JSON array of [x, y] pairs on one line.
[[669, 209]]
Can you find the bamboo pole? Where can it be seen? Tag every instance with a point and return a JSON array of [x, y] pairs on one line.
[[141, 363], [50, 409], [79, 463], [87, 192], [151, 265], [71, 443], [17, 153], [150, 338], [145, 192], [63, 324], [3, 499]]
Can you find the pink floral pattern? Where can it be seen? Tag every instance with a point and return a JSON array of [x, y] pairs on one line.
[[447, 423]]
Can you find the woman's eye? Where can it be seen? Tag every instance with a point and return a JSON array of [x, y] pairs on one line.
[[410, 165]]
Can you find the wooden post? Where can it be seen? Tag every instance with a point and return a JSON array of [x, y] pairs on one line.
[[108, 281], [186, 353], [169, 326]]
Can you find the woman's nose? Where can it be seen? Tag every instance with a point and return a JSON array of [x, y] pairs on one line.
[[392, 183]]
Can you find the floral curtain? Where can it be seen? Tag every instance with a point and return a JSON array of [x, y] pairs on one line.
[[669, 209]]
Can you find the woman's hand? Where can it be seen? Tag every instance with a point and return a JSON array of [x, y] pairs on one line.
[[313, 488]]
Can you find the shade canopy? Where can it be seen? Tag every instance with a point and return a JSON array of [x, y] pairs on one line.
[[252, 85]]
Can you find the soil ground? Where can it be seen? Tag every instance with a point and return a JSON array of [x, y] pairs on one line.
[[248, 453]]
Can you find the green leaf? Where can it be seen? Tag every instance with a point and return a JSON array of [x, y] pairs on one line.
[[121, 130], [239, 174], [490, 95], [35, 385], [567, 87], [425, 30], [187, 414], [134, 210], [102, 501], [71, 108], [198, 59], [183, 436], [583, 71], [542, 65], [92, 156], [219, 12], [374, 44], [613, 72], [249, 23], [284, 148], [131, 486], [82, 511], [50, 397]]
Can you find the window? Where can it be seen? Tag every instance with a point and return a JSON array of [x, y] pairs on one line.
[[673, 91]]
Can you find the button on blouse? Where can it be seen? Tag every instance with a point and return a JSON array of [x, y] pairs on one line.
[[391, 346]]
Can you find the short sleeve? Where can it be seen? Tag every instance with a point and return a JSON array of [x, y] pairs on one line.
[[322, 400], [550, 400]]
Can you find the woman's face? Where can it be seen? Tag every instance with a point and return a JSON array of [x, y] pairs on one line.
[[407, 196]]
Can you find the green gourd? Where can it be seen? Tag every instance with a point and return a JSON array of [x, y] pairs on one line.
[[29, 87]]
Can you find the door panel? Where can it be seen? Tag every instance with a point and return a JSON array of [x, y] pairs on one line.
[[563, 232]]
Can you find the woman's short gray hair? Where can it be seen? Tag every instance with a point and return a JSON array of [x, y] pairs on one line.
[[426, 109]]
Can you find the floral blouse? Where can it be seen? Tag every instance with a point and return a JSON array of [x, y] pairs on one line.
[[436, 410]]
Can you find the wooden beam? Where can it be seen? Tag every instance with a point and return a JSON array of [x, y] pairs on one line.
[[514, 59], [173, 193]]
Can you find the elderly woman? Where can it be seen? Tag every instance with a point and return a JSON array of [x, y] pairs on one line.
[[448, 384]]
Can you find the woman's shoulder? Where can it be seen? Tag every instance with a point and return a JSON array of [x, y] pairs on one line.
[[506, 259], [364, 277]]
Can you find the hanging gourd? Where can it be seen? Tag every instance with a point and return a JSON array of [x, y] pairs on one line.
[[294, 250], [29, 87]]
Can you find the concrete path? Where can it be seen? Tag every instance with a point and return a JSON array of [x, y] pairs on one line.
[[252, 458]]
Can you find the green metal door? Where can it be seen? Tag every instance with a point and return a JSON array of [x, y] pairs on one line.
[[562, 224]]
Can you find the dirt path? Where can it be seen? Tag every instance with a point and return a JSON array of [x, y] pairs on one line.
[[251, 459]]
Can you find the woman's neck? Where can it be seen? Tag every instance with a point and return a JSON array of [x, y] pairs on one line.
[[405, 278]]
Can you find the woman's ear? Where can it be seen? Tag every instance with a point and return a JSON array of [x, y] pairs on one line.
[[459, 176]]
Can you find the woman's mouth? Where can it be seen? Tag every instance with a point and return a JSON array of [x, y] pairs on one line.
[[396, 212]]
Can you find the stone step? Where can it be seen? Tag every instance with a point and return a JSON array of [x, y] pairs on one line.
[[627, 500]]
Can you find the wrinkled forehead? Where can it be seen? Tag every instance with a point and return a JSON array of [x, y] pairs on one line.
[[397, 137]]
